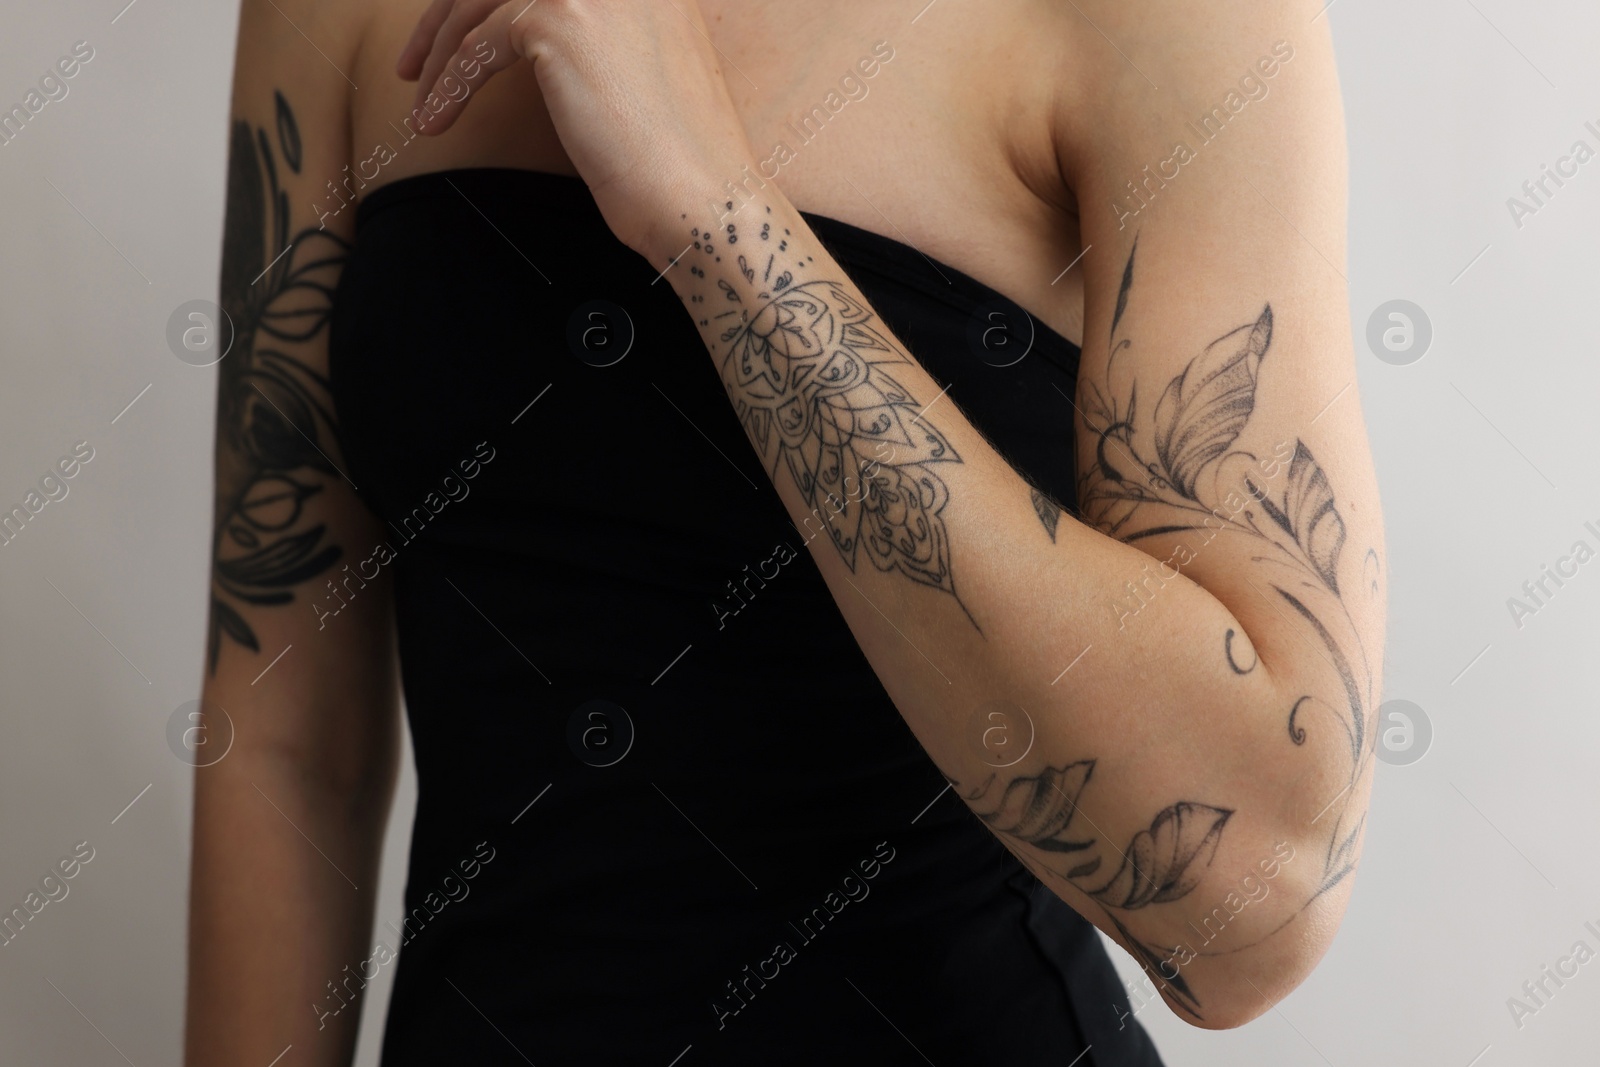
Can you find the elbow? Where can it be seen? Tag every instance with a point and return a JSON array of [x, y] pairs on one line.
[[1286, 885], [1252, 992], [1255, 988], [1242, 985]]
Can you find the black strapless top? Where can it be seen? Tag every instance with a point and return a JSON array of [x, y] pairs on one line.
[[665, 808]]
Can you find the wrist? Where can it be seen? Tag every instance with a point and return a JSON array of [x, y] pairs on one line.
[[708, 203]]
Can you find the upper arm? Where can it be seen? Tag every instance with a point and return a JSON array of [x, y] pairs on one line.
[[1220, 425], [289, 527]]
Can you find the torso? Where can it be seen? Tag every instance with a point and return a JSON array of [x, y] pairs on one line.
[[607, 540], [950, 148], [928, 148]]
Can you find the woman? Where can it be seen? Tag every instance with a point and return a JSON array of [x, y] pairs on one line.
[[1007, 450]]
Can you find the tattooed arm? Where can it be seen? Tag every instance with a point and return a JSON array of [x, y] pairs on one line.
[[1220, 429], [289, 822], [1190, 730], [1154, 744], [1185, 674]]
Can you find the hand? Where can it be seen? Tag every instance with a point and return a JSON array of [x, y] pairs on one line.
[[632, 86]]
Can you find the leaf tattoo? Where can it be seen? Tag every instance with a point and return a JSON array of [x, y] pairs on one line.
[[1124, 288], [1161, 864], [1205, 407], [1040, 809], [275, 422], [1161, 474], [1134, 494], [1166, 862], [1156, 961], [1307, 514], [1048, 511]]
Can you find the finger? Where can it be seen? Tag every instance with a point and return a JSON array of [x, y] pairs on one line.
[[483, 53], [409, 65], [463, 18]]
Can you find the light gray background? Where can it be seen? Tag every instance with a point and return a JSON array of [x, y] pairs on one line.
[[1481, 862]]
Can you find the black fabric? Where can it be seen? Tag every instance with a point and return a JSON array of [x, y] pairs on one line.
[[768, 772]]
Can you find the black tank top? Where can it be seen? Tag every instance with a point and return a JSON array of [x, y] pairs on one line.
[[665, 808]]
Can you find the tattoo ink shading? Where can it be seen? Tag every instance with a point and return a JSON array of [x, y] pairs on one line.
[[275, 422], [811, 380], [1048, 511]]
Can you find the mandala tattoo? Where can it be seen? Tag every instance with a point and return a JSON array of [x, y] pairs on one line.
[[810, 378], [275, 423]]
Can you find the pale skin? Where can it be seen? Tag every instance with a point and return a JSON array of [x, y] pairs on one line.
[[1227, 718]]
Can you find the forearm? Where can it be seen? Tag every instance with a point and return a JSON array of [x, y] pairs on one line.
[[982, 620], [284, 876], [289, 819], [928, 537]]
